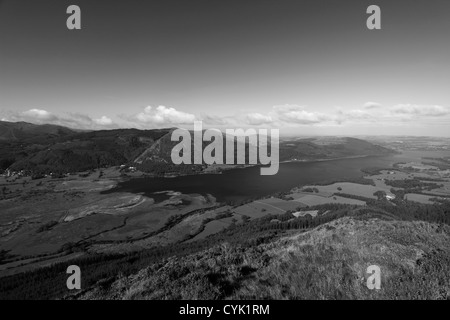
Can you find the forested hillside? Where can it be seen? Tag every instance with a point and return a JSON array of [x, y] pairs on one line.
[[39, 149], [76, 151]]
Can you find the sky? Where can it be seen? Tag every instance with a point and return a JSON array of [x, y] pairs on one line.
[[304, 67]]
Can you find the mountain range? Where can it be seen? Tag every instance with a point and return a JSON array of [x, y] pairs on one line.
[[49, 148]]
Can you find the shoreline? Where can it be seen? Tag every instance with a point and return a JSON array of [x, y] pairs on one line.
[[331, 159], [237, 167]]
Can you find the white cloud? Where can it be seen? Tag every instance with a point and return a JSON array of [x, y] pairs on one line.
[[164, 116], [421, 110], [215, 120], [257, 119], [39, 115], [71, 120], [299, 115], [371, 105], [355, 115], [279, 116], [400, 114], [104, 121]]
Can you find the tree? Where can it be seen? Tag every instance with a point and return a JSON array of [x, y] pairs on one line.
[[380, 194]]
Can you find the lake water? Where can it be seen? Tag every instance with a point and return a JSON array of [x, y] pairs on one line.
[[241, 184]]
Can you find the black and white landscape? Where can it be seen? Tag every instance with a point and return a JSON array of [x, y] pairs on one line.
[[87, 176]]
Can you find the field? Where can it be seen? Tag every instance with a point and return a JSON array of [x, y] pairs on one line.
[[192, 227], [419, 198], [313, 200], [45, 219], [49, 220], [365, 191], [442, 191], [263, 207], [211, 228], [312, 213]]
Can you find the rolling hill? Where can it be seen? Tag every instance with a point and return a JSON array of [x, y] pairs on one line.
[[49, 148], [328, 148], [23, 131]]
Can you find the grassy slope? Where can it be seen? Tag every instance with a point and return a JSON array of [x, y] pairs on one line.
[[328, 262]]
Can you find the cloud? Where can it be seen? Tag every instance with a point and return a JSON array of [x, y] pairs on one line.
[[285, 115], [299, 115], [160, 116], [215, 120], [421, 110], [164, 116], [104, 121], [371, 105], [355, 115], [40, 115], [400, 114], [257, 119], [279, 116]]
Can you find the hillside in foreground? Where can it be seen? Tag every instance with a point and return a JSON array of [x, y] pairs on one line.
[[327, 262]]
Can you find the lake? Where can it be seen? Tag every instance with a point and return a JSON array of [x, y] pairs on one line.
[[242, 184]]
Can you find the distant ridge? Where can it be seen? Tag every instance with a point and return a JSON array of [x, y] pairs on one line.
[[23, 130], [329, 148], [50, 148]]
